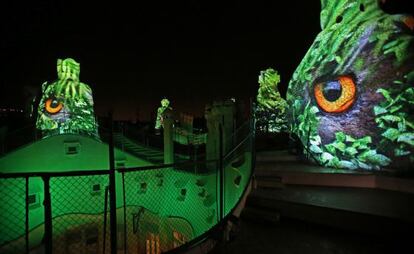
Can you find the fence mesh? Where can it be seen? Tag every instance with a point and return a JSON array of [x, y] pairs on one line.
[[237, 169], [167, 207], [78, 212], [12, 215], [157, 209]]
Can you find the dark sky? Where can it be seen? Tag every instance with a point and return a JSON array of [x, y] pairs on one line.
[[192, 52]]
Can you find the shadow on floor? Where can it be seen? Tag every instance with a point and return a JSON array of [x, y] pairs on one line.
[[293, 236]]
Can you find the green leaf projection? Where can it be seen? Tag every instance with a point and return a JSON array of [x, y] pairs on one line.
[[66, 105], [271, 107], [165, 104], [352, 96]]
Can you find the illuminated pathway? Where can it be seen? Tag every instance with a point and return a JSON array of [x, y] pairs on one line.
[[148, 153]]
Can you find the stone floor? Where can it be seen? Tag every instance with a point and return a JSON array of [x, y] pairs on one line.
[[293, 236]]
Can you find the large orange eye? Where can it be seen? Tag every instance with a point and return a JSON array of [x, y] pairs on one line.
[[409, 22], [53, 106], [335, 96]]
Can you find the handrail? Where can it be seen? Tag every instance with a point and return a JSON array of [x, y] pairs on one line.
[[208, 233], [55, 174], [101, 171], [236, 147], [160, 166], [221, 223]]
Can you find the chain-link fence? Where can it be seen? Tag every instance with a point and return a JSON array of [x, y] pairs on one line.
[[158, 208], [77, 205], [78, 214], [167, 205], [237, 166], [13, 215]]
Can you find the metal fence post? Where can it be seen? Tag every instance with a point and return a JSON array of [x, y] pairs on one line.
[[27, 215], [125, 215], [105, 219], [112, 190], [252, 133], [221, 171], [48, 216]]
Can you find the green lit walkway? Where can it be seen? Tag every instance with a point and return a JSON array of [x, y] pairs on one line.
[[141, 151]]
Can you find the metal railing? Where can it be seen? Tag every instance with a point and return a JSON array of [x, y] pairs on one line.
[[191, 145], [153, 209]]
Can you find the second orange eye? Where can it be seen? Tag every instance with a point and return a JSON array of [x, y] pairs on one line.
[[335, 96], [53, 106]]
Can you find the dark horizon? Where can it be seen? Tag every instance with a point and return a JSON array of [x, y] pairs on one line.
[[132, 56]]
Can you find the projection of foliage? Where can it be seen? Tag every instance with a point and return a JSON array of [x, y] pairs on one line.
[[352, 97], [395, 117], [271, 107], [66, 105], [344, 152], [165, 104]]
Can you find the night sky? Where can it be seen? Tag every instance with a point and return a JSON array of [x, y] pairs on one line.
[[132, 55]]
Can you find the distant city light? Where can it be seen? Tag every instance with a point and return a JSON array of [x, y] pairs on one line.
[[11, 110]]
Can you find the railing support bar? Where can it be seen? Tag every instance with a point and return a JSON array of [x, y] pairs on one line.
[[48, 216], [221, 171], [112, 192], [27, 216]]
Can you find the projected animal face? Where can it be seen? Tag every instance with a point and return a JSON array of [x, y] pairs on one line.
[[352, 96], [66, 105]]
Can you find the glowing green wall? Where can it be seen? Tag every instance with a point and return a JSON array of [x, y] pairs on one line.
[[169, 197], [52, 154], [168, 193]]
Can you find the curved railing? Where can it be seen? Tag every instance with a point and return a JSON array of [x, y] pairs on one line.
[[194, 146], [153, 209]]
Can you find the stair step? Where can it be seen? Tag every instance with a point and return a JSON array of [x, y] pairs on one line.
[[363, 209], [269, 182], [154, 156], [276, 156], [137, 150], [128, 144], [153, 152], [255, 213]]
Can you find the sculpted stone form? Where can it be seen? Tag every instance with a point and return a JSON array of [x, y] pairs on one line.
[[352, 96]]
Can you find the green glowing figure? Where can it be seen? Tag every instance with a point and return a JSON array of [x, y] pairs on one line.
[[352, 97], [165, 104], [66, 105], [271, 107]]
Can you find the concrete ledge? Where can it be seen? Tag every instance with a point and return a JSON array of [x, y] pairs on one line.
[[273, 164], [395, 184], [342, 180]]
